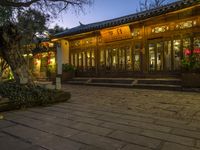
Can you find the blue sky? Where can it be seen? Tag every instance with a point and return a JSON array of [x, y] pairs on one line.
[[99, 11]]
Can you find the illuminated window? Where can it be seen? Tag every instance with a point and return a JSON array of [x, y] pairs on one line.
[[177, 54], [136, 32], [160, 29], [93, 58], [84, 59], [75, 43], [87, 41], [102, 59], [196, 42], [76, 60], [187, 24]]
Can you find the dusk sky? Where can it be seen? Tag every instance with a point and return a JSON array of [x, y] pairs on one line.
[[99, 11]]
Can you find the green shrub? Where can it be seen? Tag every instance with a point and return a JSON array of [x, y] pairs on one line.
[[68, 68], [23, 96]]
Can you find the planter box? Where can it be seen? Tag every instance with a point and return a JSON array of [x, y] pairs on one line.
[[67, 76], [52, 76], [191, 80]]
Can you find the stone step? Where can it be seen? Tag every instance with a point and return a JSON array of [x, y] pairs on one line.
[[113, 81], [160, 84], [4, 104], [140, 86], [76, 82], [4, 101], [160, 81], [80, 79], [111, 84]]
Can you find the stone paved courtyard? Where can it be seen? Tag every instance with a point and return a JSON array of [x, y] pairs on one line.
[[102, 118]]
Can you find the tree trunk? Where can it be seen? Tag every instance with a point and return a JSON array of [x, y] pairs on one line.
[[13, 55], [18, 65]]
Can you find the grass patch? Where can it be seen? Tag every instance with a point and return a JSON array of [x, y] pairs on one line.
[[25, 96]]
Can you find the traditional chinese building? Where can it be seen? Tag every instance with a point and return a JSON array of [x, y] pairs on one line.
[[43, 60], [149, 43]]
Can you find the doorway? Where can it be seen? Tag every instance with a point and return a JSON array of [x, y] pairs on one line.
[[160, 55]]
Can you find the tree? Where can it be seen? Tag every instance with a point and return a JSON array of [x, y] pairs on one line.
[[56, 29], [52, 7], [3, 67], [150, 4], [5, 13], [20, 19]]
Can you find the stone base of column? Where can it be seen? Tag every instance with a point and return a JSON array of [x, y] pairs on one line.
[[58, 82]]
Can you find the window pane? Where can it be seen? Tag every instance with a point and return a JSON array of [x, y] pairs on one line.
[[88, 59], [167, 55], [108, 59], [93, 59], [152, 61], [122, 58], [114, 58], [102, 59], [128, 58], [80, 60], [84, 62], [197, 48], [76, 60], [137, 61], [196, 42], [159, 56], [177, 54]]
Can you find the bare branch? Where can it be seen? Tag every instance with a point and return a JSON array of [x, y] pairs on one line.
[[17, 4], [147, 4]]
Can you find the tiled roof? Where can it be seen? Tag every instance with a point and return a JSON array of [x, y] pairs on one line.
[[128, 19]]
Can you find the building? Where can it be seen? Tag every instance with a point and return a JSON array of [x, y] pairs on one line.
[[149, 43]]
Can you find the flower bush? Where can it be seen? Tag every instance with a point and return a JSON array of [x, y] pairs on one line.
[[191, 60]]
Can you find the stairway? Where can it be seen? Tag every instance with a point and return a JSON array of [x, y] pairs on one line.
[[142, 83]]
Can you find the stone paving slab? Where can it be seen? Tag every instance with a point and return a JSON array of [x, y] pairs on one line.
[[50, 128], [172, 146], [159, 103], [86, 126], [43, 139], [135, 147], [99, 141], [69, 116], [8, 142], [4, 123], [136, 139]]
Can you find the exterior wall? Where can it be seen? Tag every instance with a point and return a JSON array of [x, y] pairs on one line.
[[65, 51], [152, 46]]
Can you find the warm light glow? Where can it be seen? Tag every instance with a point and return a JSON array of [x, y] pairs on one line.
[[37, 64], [176, 43], [53, 40], [30, 55], [186, 24], [118, 33], [52, 61], [160, 29], [51, 44]]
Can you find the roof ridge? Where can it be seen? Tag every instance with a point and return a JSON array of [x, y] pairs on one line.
[[125, 19]]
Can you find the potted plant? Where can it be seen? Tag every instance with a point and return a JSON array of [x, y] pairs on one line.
[[191, 68], [68, 72]]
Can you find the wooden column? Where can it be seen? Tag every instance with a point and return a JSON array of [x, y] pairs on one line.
[[59, 65]]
